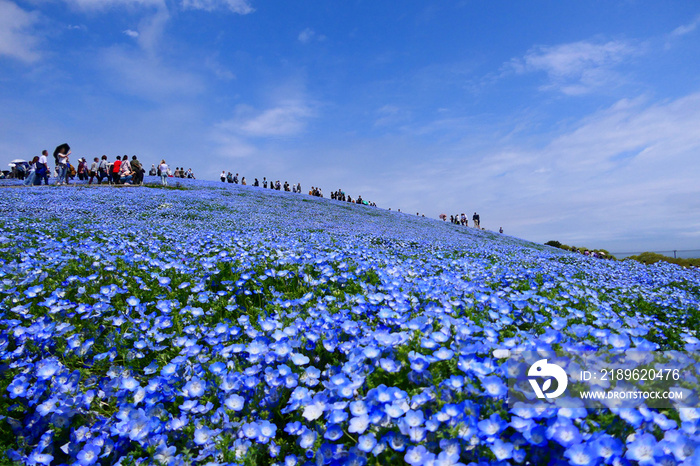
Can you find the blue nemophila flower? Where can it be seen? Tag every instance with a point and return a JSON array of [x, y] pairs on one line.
[[492, 426], [89, 454], [315, 408], [18, 387], [414, 418], [47, 368], [299, 359], [581, 454], [418, 456], [39, 458], [203, 435], [251, 430], [234, 402], [443, 354], [502, 450], [129, 383], [164, 281], [642, 450], [133, 301], [564, 432], [358, 424], [306, 438], [194, 388], [34, 291], [366, 443], [389, 365], [333, 432], [267, 431]]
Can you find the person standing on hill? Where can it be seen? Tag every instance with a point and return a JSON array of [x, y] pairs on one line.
[[163, 167], [93, 169], [137, 169], [42, 169], [223, 176], [116, 167], [103, 170], [62, 168]]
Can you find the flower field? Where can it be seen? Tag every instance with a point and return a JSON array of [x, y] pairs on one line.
[[224, 324]]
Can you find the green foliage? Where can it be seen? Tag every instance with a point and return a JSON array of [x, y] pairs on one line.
[[652, 258]]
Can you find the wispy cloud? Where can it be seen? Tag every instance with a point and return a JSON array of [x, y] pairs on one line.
[[242, 7], [309, 35], [17, 37], [686, 28], [390, 115], [104, 4], [288, 118], [131, 33], [576, 68]]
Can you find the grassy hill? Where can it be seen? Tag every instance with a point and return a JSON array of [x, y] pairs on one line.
[[230, 324]]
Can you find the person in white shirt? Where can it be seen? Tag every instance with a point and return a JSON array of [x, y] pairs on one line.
[[42, 169], [163, 167], [62, 168]]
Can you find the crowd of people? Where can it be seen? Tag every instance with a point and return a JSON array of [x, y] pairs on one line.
[[461, 219], [127, 172], [121, 171], [338, 195]]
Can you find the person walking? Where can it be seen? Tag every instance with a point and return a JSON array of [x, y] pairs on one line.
[[92, 173], [163, 167], [223, 176]]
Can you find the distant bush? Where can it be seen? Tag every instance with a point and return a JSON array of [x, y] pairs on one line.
[[652, 258], [603, 253]]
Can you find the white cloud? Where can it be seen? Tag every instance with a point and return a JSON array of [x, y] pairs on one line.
[[288, 118], [131, 33], [576, 68], [241, 7], [103, 4], [219, 70], [17, 38], [686, 28], [308, 35], [391, 115]]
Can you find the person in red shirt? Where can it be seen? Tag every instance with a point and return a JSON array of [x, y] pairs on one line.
[[115, 170]]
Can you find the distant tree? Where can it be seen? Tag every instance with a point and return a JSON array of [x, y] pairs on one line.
[[553, 243]]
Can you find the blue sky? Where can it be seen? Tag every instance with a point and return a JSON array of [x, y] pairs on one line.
[[575, 121]]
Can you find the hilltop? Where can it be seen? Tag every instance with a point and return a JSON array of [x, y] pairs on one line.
[[227, 324]]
